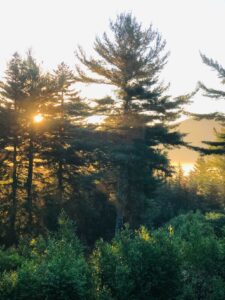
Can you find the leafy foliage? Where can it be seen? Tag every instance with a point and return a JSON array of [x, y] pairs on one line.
[[182, 260], [55, 269], [136, 266]]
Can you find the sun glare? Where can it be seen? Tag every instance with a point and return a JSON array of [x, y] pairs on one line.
[[187, 168], [38, 118], [95, 119]]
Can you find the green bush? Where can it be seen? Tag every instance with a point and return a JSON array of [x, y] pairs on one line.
[[217, 221], [10, 260], [202, 256], [57, 272], [136, 266]]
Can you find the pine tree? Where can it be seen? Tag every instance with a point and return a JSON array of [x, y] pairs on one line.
[[23, 93], [64, 79], [11, 97], [217, 147], [36, 95], [207, 180], [60, 145], [131, 61]]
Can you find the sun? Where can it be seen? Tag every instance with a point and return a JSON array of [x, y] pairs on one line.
[[38, 118], [187, 168], [95, 120]]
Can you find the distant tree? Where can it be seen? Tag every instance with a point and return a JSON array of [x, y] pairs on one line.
[[171, 198], [131, 59], [207, 180]]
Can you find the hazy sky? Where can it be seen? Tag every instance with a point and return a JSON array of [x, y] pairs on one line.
[[53, 28]]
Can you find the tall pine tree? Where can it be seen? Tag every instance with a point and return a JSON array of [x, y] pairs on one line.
[[131, 60], [23, 92], [11, 100]]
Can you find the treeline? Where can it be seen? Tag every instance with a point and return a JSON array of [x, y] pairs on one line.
[[102, 175]]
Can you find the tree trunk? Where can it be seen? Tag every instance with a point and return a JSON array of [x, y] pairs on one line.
[[60, 163], [122, 193], [13, 209], [60, 181], [119, 218], [30, 182]]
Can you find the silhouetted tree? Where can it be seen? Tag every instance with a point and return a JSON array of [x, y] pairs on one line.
[[131, 60], [217, 147], [23, 93]]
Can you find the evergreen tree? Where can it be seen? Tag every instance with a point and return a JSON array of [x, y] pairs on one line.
[[64, 79], [23, 93], [37, 93], [131, 61], [66, 150], [207, 181], [65, 113], [63, 107], [11, 98], [217, 147]]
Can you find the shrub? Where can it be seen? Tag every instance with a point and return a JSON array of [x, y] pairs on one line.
[[136, 266], [57, 272], [202, 256], [10, 260]]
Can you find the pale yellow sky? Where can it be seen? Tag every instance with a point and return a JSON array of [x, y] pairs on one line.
[[53, 28]]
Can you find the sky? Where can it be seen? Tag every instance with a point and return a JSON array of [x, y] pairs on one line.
[[54, 28]]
